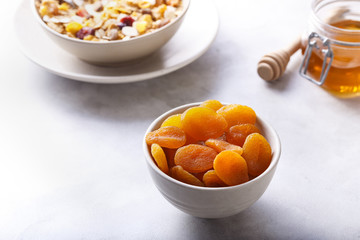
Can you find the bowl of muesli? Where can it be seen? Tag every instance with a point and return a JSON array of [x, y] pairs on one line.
[[110, 31]]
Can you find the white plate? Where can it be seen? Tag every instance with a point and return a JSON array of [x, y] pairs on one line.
[[192, 40]]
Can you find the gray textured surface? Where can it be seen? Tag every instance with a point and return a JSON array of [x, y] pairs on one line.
[[71, 158]]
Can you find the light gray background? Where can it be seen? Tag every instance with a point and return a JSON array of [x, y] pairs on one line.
[[71, 161]]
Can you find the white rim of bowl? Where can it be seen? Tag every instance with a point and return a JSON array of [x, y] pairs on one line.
[[276, 152], [39, 19]]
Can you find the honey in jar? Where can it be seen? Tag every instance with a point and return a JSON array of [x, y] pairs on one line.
[[332, 48]]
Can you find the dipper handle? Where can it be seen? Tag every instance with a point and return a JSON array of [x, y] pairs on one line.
[[272, 66]]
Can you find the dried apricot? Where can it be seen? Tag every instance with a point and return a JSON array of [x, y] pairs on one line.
[[210, 179], [191, 140], [220, 145], [231, 168], [238, 133], [237, 114], [195, 158], [203, 123], [174, 120], [257, 154], [169, 137], [159, 157], [211, 145], [199, 175], [213, 104], [184, 176], [222, 137], [170, 154]]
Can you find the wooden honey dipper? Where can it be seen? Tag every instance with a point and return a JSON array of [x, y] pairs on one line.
[[272, 66]]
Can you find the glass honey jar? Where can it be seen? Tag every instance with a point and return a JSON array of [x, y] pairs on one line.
[[331, 47]]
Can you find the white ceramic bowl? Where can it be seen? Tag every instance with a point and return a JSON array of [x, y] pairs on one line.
[[206, 202], [103, 53]]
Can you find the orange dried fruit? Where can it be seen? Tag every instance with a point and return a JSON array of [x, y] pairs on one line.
[[195, 158], [190, 140], [222, 137], [169, 137], [231, 168], [211, 145], [220, 145], [170, 154], [257, 154], [173, 120], [237, 114], [199, 175], [184, 176], [159, 157], [210, 179], [238, 133], [203, 123], [213, 104]]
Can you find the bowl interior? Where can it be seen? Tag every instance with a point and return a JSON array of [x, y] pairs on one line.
[[186, 4]]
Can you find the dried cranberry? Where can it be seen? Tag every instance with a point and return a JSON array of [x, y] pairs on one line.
[[128, 21], [85, 31], [83, 13]]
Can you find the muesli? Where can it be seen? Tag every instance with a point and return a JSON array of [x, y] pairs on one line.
[[107, 20]]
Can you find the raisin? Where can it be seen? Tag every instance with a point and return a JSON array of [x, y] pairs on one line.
[[231, 168], [210, 179], [146, 11], [169, 137], [257, 154], [202, 123], [184, 176], [195, 158], [238, 133], [220, 145], [237, 114], [85, 31], [159, 157]]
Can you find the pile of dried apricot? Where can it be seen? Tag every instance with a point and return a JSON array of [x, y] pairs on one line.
[[211, 145]]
